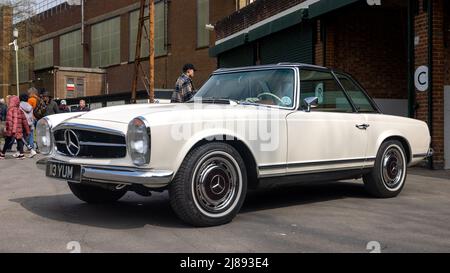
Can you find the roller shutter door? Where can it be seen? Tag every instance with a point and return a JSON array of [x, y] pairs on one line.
[[294, 44], [237, 57]]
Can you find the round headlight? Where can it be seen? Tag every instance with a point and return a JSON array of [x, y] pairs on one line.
[[44, 136], [138, 141]]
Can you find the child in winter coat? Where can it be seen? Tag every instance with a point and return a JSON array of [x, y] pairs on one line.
[[16, 128]]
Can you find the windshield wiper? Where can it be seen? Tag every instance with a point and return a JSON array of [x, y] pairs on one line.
[[214, 100]]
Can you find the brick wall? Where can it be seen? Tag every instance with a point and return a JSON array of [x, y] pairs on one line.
[[438, 81], [250, 15], [181, 48], [371, 45]]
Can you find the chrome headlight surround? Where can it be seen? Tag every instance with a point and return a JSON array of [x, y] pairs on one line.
[[44, 138], [139, 141]]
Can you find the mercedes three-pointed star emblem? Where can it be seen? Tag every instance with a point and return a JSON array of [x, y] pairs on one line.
[[72, 142]]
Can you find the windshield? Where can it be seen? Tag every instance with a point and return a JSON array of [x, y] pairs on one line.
[[265, 87]]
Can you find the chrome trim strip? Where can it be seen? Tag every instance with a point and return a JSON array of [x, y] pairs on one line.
[[315, 163], [316, 172], [149, 178], [84, 127], [102, 144], [429, 154]]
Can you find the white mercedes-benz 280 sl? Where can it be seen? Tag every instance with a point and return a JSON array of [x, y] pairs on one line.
[[245, 128]]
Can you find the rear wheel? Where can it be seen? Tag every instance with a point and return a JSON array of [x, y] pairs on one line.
[[95, 195], [389, 174], [210, 186]]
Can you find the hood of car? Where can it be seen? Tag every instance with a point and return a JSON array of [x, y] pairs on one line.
[[125, 113]]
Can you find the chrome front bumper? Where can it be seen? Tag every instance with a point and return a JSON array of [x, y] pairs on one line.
[[119, 175]]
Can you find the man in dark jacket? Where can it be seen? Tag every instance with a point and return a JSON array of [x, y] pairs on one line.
[[184, 87], [52, 106], [82, 107]]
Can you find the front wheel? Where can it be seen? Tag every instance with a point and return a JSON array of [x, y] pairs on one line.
[[388, 177], [210, 186]]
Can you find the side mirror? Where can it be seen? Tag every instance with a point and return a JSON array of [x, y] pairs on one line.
[[311, 102]]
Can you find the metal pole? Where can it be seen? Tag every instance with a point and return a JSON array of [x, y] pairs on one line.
[[151, 61], [411, 60], [430, 77], [82, 22], [16, 48]]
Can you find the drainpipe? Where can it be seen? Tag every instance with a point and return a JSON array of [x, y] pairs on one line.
[[411, 60], [430, 78]]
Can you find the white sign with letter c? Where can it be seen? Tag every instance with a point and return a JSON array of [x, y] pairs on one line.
[[421, 78]]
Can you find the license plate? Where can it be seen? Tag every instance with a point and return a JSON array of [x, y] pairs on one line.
[[64, 171]]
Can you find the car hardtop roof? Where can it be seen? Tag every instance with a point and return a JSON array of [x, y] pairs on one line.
[[271, 66]]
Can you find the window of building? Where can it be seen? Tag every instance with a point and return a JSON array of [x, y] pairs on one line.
[[202, 21], [43, 54], [105, 43], [324, 86], [160, 32], [75, 87], [71, 50], [243, 3]]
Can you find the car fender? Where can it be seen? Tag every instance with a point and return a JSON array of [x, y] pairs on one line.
[[209, 134]]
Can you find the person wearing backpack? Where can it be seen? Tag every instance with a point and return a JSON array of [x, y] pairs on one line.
[[27, 109], [40, 110]]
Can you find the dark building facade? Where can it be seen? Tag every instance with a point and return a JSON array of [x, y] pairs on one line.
[[110, 39], [384, 44]]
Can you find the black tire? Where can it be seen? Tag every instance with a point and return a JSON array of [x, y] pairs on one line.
[[95, 195], [210, 186], [388, 177]]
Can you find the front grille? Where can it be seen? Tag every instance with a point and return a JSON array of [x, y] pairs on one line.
[[91, 144]]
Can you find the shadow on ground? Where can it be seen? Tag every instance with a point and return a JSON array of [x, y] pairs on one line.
[[135, 212]]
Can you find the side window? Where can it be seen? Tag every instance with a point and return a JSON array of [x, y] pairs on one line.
[[356, 94], [324, 86]]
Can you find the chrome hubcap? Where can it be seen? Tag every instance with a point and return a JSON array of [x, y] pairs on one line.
[[393, 168], [216, 183]]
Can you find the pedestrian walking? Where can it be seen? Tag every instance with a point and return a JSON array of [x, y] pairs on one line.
[[16, 128], [33, 97], [27, 109], [184, 87], [52, 107]]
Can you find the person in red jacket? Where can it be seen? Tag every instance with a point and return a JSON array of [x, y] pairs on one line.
[[16, 128]]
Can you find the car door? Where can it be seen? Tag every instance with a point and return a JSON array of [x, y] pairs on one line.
[[332, 136]]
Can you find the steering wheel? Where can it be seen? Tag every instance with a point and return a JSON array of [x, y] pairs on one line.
[[267, 94]]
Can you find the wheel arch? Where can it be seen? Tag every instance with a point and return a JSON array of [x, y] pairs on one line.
[[241, 147], [405, 143]]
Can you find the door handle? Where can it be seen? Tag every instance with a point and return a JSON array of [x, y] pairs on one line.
[[362, 126]]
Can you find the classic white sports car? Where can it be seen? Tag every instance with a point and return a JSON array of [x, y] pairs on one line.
[[245, 128]]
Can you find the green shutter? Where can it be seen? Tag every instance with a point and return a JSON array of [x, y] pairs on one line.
[[294, 44], [237, 57]]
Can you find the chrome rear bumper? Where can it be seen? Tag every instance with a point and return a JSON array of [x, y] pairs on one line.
[[119, 175]]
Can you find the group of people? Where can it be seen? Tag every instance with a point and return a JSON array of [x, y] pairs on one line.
[[19, 116]]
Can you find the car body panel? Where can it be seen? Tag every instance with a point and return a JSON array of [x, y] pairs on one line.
[[298, 142]]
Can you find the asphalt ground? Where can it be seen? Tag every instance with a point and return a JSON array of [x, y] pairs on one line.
[[38, 214]]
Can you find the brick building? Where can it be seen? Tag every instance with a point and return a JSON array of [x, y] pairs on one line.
[[110, 38], [380, 42]]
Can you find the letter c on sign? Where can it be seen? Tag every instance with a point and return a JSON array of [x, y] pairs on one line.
[[421, 78]]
